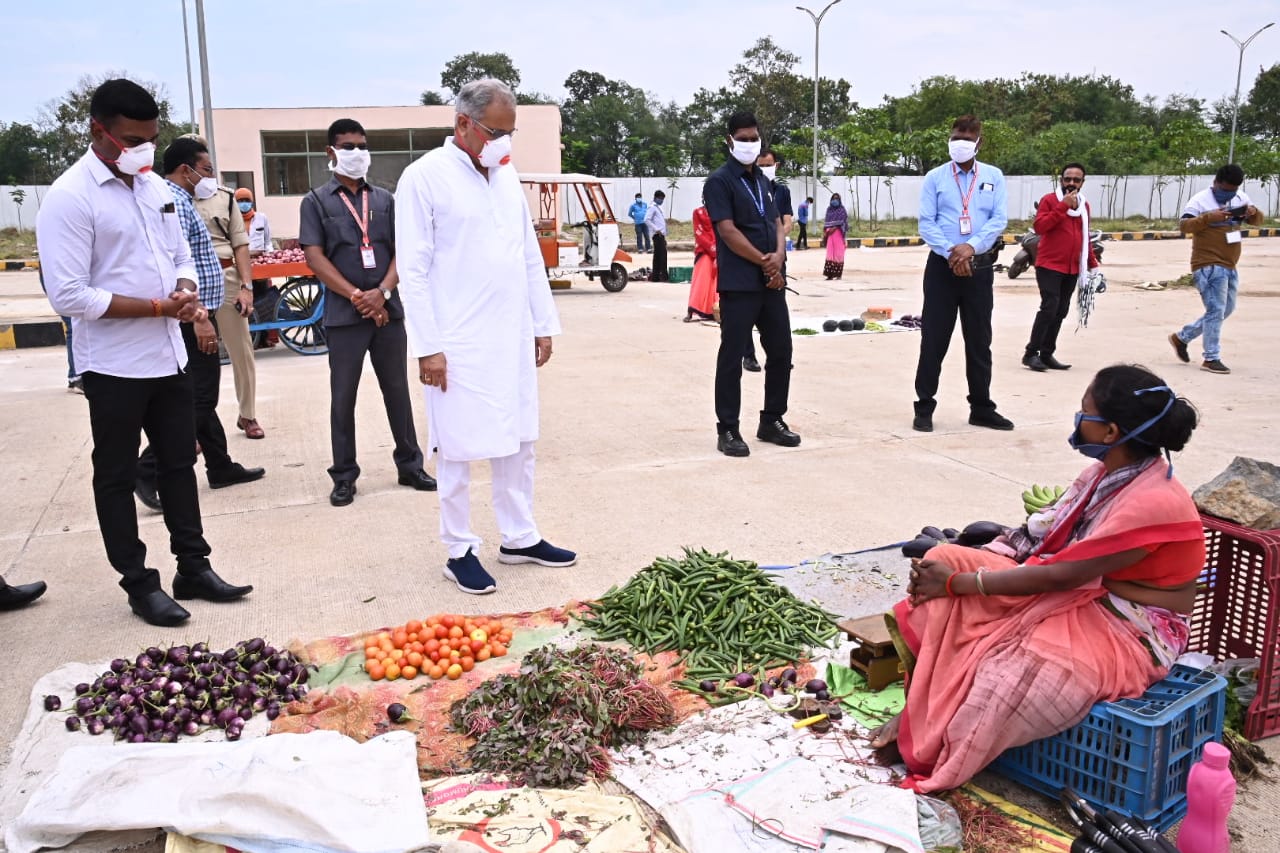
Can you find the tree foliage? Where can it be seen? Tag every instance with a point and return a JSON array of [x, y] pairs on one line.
[[462, 69]]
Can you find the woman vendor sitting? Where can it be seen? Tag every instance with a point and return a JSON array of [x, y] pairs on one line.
[[1016, 641]]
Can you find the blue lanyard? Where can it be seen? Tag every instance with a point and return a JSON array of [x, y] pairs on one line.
[[757, 199]]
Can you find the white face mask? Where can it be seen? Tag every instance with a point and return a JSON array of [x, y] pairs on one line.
[[962, 150], [138, 159], [745, 153], [353, 164], [769, 172], [496, 152], [205, 187]]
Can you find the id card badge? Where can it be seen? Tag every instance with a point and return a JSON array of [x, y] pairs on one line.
[[1233, 236], [966, 226], [367, 258]]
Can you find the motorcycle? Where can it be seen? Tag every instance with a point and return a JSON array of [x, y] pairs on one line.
[[1026, 257]]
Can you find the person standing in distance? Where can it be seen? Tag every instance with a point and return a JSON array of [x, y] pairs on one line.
[[962, 217], [1213, 218], [347, 232], [481, 319], [751, 279], [637, 211], [802, 218], [116, 261], [655, 223], [1064, 254]]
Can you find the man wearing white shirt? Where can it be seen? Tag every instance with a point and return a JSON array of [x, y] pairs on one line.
[[480, 319], [116, 262]]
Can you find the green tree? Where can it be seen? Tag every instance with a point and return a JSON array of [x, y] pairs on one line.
[[22, 155], [611, 128], [1122, 152], [462, 69], [1260, 115], [431, 98]]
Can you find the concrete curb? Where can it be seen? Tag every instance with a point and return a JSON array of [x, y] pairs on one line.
[[26, 335], [19, 266]]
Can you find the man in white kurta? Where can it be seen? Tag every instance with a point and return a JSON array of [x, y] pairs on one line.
[[480, 317]]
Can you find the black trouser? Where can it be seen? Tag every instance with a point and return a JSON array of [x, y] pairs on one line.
[[388, 351], [803, 241], [119, 410], [1055, 302], [205, 370], [945, 296], [659, 258], [765, 310]]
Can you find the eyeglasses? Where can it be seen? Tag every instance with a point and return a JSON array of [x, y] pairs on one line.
[[494, 134], [1073, 180], [352, 146]]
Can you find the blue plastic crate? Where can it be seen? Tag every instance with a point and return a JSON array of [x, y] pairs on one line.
[[1131, 755]]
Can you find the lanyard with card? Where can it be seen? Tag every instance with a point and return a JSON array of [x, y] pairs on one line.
[[757, 195], [966, 224], [1233, 236], [366, 250]]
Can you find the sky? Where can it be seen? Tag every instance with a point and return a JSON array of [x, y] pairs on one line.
[[348, 53]]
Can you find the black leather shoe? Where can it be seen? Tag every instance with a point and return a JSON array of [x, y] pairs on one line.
[[922, 423], [13, 597], [750, 365], [234, 476], [157, 608], [990, 420], [209, 586], [1035, 363], [730, 443], [148, 496], [775, 432], [420, 480], [343, 493], [1053, 364]]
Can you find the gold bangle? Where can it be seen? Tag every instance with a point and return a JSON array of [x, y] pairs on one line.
[[977, 579]]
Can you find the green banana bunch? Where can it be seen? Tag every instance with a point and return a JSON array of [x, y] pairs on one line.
[[1036, 498]]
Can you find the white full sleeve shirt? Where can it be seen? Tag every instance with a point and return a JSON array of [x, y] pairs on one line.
[[98, 237], [475, 288]]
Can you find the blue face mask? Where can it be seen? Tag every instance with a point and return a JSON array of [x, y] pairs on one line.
[[1098, 451], [1222, 196], [835, 202], [245, 206]]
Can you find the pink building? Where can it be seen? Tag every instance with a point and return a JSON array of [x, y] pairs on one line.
[[280, 153]]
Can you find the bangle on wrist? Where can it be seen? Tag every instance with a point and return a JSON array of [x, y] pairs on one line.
[[950, 578], [977, 579]]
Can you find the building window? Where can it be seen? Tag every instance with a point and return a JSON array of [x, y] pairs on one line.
[[294, 161]]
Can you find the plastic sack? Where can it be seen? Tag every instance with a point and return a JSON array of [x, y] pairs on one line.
[[939, 824], [1243, 673]]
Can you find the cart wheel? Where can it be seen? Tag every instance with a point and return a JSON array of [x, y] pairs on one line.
[[298, 301], [256, 339], [615, 279]]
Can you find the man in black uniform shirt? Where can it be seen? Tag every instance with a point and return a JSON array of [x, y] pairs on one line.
[[751, 253]]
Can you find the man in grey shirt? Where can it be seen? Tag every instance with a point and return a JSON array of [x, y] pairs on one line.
[[347, 232]]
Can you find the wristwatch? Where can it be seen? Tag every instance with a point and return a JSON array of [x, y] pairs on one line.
[[386, 294]]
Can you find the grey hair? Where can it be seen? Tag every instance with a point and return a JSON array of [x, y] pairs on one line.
[[475, 97]]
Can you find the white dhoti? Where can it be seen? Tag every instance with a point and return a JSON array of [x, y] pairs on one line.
[[512, 502]]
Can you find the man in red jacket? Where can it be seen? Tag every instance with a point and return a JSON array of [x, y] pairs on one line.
[[1063, 256]]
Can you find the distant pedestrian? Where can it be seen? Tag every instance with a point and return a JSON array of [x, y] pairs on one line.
[[657, 226], [835, 230], [637, 213], [1213, 218], [802, 217], [702, 287]]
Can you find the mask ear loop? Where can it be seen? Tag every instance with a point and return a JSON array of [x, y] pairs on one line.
[[1173, 398]]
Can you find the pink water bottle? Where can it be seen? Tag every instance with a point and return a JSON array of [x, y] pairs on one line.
[[1211, 789]]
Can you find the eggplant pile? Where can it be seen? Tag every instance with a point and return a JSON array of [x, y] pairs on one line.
[[976, 535], [183, 690]]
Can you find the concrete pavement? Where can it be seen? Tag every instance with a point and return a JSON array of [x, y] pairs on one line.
[[627, 463]]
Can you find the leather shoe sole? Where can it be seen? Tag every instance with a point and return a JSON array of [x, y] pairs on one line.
[[207, 586], [244, 475], [157, 608]]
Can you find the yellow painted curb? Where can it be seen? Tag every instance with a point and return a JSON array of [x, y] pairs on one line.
[[6, 338], [19, 266]]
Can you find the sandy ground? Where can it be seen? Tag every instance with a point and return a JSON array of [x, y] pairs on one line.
[[628, 468]]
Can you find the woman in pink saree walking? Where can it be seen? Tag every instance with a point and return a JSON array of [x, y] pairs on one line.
[[1018, 640]]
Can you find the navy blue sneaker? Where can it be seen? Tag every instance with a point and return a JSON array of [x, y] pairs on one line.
[[544, 554], [469, 575]]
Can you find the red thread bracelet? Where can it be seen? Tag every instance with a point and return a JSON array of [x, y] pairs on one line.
[[950, 594]]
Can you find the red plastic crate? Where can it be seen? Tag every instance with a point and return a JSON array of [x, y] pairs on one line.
[[1237, 612]]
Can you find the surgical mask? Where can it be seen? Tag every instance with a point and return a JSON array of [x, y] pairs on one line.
[[745, 153], [770, 172], [205, 187], [496, 152], [135, 160], [962, 150], [1223, 196], [1098, 451], [352, 164], [835, 202], [245, 206]]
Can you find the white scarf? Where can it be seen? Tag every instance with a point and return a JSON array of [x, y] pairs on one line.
[[1081, 212]]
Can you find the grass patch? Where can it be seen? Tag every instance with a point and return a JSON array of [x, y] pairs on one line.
[[17, 245]]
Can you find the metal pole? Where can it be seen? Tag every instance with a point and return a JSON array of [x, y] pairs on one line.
[[1235, 104], [817, 29], [191, 92], [204, 83]]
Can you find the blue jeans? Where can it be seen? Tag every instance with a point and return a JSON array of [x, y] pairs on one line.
[[71, 359], [643, 243], [1217, 286]]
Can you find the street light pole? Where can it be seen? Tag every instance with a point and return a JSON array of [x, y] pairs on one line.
[[1235, 104], [204, 83], [817, 26], [191, 92]]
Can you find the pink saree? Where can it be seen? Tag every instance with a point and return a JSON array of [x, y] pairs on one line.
[[1000, 671]]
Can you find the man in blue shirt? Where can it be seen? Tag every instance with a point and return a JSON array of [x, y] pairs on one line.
[[655, 223], [802, 217], [962, 219], [637, 211]]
